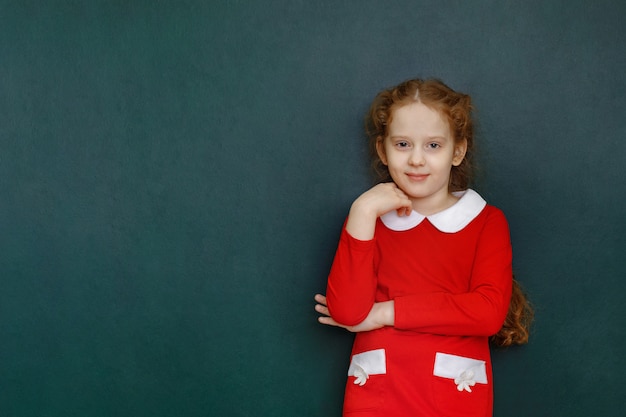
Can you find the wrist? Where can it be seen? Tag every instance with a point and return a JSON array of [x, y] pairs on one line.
[[363, 210], [386, 313], [361, 222]]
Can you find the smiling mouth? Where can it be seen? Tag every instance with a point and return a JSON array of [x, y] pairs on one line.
[[417, 177]]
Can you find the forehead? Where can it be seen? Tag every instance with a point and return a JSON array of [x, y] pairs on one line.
[[418, 119]]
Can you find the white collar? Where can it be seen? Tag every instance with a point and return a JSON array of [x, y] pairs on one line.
[[450, 220]]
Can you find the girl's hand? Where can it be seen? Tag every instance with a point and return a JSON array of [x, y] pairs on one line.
[[372, 204], [381, 314], [383, 198]]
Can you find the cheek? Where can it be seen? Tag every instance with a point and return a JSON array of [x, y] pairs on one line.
[[444, 165], [395, 161]]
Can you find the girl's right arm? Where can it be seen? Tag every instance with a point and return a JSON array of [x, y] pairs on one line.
[[352, 281], [372, 204]]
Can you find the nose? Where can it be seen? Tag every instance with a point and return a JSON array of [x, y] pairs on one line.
[[416, 158]]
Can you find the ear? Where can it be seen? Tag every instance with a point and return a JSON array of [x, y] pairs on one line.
[[459, 152], [380, 149]]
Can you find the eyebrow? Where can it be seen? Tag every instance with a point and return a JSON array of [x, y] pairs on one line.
[[435, 137]]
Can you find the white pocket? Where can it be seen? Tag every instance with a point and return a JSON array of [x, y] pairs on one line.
[[368, 363], [465, 372]]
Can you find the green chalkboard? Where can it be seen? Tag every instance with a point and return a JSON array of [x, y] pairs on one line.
[[174, 176]]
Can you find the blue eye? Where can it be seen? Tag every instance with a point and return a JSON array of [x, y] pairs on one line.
[[433, 145]]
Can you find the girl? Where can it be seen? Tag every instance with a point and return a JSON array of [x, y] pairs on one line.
[[422, 273]]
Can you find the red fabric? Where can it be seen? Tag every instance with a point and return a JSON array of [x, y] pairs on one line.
[[451, 291]]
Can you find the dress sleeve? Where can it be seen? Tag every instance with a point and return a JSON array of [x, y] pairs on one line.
[[480, 311], [352, 281]]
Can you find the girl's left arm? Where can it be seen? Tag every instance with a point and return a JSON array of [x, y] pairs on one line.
[[380, 315], [480, 311]]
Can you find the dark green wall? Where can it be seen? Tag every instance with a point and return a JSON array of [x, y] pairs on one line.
[[173, 178]]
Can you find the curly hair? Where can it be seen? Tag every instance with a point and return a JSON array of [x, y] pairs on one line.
[[457, 108], [515, 330]]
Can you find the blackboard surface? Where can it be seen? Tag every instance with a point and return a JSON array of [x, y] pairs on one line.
[[174, 176]]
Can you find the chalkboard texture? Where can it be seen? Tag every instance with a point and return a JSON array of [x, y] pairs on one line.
[[174, 176]]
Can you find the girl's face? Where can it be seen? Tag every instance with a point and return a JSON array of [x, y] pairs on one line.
[[419, 152]]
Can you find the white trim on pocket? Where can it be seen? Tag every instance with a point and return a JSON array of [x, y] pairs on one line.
[[368, 363], [465, 372]]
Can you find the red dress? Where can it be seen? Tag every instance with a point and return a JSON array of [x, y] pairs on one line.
[[450, 277]]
